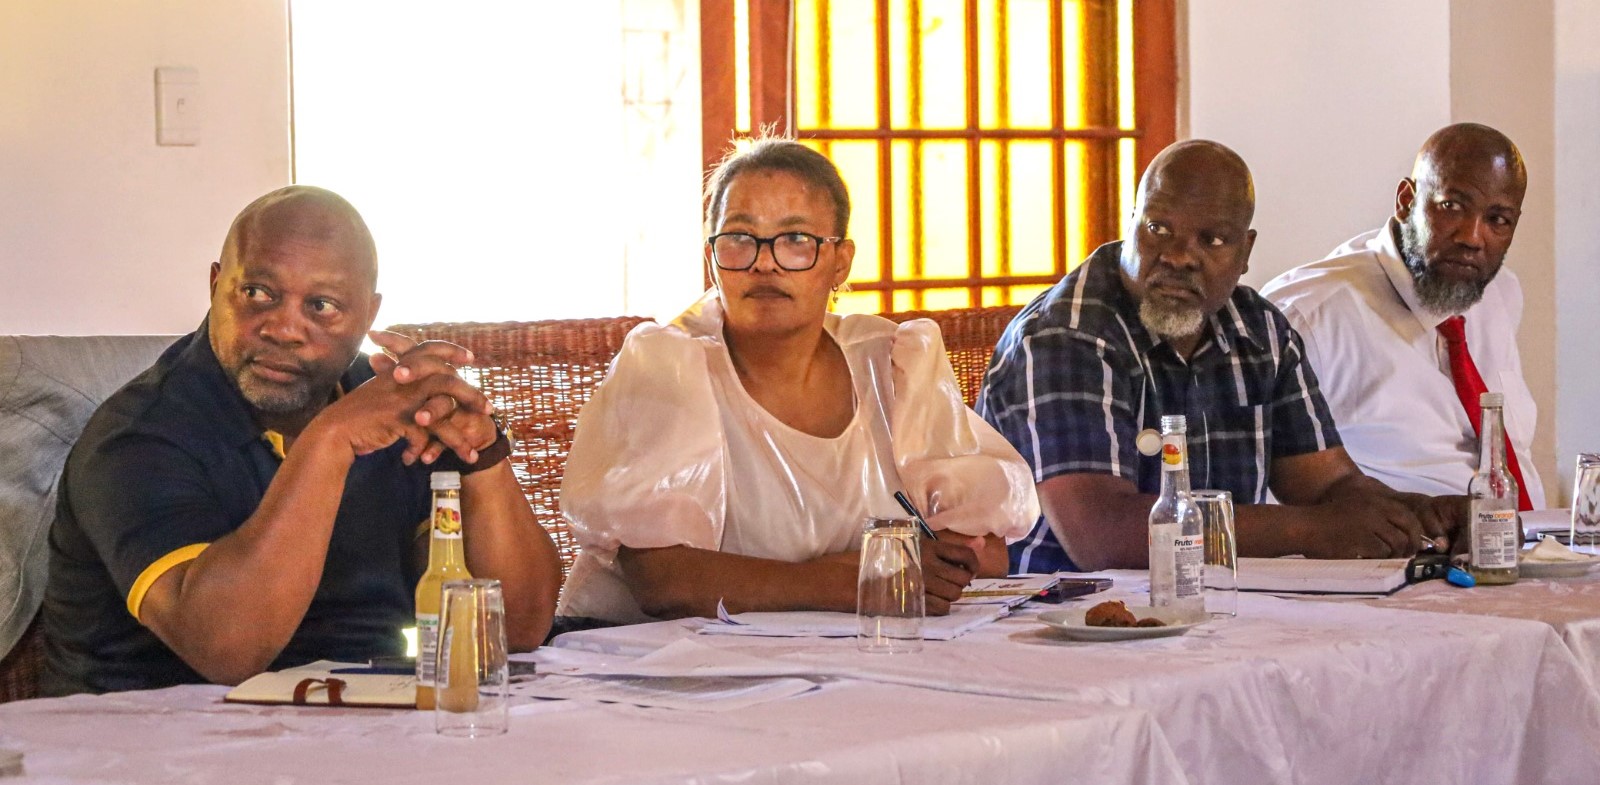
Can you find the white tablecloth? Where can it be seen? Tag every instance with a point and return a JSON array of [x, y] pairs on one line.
[[1571, 606], [1289, 692], [846, 732]]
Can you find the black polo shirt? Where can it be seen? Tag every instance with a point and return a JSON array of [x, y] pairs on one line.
[[172, 462]]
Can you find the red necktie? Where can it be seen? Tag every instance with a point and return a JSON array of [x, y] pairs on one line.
[[1469, 385]]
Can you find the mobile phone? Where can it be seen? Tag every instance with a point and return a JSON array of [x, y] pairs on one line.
[[1069, 588]]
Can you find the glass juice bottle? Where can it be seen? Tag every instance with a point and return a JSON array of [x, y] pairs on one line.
[[1496, 537], [1177, 544], [446, 562]]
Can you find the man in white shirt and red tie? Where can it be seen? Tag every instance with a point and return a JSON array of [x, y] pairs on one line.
[[1406, 326]]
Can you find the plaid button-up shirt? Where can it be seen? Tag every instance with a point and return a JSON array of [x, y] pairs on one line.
[[1076, 376]]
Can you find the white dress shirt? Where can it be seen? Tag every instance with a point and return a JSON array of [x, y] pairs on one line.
[[1385, 372]]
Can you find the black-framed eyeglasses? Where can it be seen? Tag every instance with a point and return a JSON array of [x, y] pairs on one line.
[[793, 251]]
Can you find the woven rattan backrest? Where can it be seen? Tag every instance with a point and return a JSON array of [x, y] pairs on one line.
[[538, 374], [969, 338], [22, 666]]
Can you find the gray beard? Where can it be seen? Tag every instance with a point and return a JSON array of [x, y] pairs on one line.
[[273, 399], [1170, 322], [1437, 295]]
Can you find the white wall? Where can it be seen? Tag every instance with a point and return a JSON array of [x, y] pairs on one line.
[[102, 231], [1327, 101], [1577, 238], [1502, 73]]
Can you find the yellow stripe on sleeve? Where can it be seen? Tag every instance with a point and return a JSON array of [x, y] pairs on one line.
[[276, 440], [157, 569]]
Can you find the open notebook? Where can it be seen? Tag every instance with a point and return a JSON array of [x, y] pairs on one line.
[[1322, 576]]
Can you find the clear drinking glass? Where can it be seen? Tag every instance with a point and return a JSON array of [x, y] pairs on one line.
[[889, 598], [1585, 531], [1222, 551], [473, 684]]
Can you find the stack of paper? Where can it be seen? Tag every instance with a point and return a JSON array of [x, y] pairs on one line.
[[827, 624], [1322, 576], [688, 693]]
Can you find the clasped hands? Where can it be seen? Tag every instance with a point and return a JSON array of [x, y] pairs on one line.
[[416, 396]]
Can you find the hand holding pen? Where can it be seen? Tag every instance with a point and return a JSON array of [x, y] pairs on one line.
[[911, 509], [948, 566]]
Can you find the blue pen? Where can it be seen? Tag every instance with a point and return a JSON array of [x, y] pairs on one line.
[[905, 502]]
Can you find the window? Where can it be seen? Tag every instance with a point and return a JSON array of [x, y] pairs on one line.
[[515, 161], [989, 145]]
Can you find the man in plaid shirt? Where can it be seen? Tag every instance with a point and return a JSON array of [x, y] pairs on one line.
[[1158, 324]]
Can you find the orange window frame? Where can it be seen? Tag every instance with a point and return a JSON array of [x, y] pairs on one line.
[[771, 97]]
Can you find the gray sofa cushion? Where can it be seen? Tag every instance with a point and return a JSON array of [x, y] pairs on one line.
[[49, 386]]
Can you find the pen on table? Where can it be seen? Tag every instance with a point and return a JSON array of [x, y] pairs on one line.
[[900, 496]]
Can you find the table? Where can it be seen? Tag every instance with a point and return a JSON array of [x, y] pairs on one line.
[[1570, 606], [1290, 692], [847, 732]]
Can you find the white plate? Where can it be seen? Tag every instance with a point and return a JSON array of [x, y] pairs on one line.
[[1555, 569], [1070, 623]]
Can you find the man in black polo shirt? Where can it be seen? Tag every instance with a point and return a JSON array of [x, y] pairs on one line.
[[252, 501], [1158, 325]]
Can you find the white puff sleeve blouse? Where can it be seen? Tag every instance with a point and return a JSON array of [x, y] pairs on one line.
[[672, 451]]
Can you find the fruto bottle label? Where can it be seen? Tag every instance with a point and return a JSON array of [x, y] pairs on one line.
[[427, 647], [1494, 539], [1172, 457], [447, 519], [1191, 553]]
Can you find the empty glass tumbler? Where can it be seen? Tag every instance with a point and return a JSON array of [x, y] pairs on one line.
[[1221, 559], [1585, 529], [889, 589], [472, 682]]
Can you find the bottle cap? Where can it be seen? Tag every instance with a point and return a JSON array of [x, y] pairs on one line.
[[1492, 399], [445, 481], [1148, 441], [1459, 577], [1174, 423]]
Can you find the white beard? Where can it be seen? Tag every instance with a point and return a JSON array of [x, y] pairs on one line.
[[1171, 323]]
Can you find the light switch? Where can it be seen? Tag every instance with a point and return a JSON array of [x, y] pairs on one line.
[[177, 106]]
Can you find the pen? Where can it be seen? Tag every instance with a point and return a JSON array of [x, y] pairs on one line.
[[377, 670], [905, 502]]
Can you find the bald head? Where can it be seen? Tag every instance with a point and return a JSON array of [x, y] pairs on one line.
[[1189, 238], [292, 297], [1470, 149], [1457, 213], [1200, 171], [303, 214]]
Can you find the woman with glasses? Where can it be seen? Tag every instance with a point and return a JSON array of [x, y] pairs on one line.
[[735, 455]]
